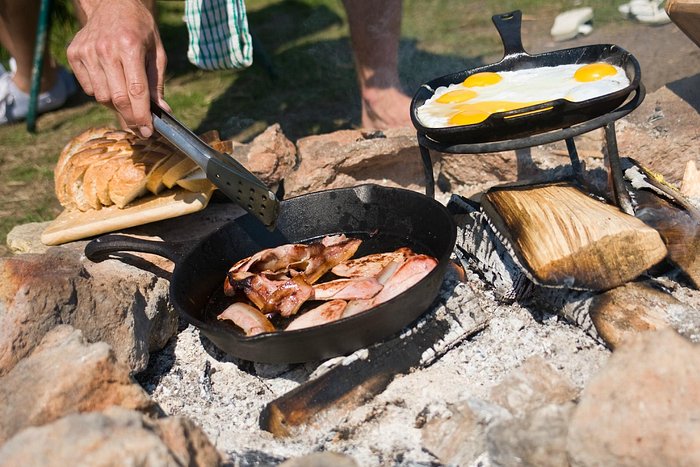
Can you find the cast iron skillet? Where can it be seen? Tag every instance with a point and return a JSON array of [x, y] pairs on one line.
[[537, 118], [385, 218]]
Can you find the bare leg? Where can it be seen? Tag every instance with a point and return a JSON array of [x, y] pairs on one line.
[[18, 23], [375, 29]]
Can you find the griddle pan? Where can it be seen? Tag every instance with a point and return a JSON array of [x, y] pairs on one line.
[[535, 119], [385, 218]]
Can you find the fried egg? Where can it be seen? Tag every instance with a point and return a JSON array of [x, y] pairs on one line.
[[482, 94]]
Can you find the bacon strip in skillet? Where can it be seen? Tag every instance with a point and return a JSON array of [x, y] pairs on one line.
[[276, 296], [396, 277], [278, 280], [406, 276], [371, 265], [247, 318], [347, 289], [322, 314]]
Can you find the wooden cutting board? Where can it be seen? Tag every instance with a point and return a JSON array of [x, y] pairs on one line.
[[686, 15], [73, 225]]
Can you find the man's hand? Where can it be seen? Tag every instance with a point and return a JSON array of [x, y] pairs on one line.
[[118, 57]]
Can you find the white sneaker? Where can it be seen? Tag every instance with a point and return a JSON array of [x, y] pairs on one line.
[[570, 24], [14, 103], [645, 11]]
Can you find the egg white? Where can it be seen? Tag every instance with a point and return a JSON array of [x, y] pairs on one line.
[[525, 86]]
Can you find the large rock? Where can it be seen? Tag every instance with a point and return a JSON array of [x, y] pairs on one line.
[[392, 158], [643, 408], [125, 306], [352, 157], [538, 438], [533, 384], [458, 436], [115, 437], [540, 398], [642, 306], [63, 375], [270, 156]]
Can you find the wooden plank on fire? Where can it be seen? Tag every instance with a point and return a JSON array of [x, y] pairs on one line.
[[482, 251], [563, 237], [609, 316], [351, 381]]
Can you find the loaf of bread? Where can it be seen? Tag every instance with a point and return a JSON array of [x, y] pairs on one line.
[[104, 167]]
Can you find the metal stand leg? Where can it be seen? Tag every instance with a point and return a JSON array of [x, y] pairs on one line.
[[428, 169], [576, 167], [622, 198], [42, 31]]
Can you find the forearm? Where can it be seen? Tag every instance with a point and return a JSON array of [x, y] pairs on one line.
[[118, 57]]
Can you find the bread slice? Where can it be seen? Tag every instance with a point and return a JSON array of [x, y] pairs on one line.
[[168, 158], [180, 170], [75, 173], [197, 181], [225, 146], [155, 184], [70, 177], [102, 178], [93, 190], [100, 151], [129, 181], [73, 146], [210, 136]]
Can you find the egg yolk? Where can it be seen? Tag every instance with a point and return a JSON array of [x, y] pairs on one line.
[[485, 78], [470, 114], [459, 95], [594, 72]]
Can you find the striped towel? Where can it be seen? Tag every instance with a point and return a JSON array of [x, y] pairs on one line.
[[219, 37]]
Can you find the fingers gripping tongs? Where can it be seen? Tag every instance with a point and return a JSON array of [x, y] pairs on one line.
[[229, 175]]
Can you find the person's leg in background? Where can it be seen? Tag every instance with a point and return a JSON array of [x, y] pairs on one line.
[[18, 25], [375, 30]]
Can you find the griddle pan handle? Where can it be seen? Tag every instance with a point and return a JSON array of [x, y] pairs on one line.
[[509, 28], [100, 248]]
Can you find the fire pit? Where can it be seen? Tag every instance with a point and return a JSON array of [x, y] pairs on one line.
[[492, 372]]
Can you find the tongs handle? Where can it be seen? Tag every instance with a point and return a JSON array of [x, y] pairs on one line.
[[229, 175]]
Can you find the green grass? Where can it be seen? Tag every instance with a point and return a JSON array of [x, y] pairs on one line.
[[306, 41]]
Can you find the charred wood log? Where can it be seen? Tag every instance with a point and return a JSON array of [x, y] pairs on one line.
[[664, 208]]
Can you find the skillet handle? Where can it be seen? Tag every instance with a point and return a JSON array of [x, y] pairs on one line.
[[508, 26], [100, 248]]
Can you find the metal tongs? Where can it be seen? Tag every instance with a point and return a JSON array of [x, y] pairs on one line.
[[229, 175]]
